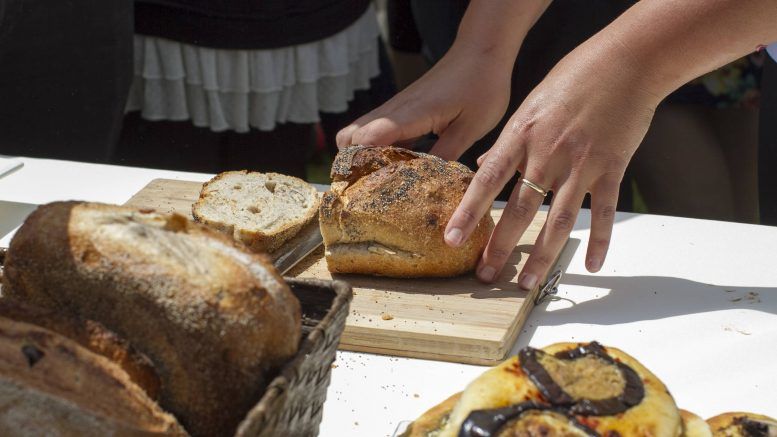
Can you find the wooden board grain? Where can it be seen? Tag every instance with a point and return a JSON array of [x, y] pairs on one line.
[[456, 319], [168, 196]]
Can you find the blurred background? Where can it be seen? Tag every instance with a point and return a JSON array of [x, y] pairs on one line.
[[212, 86]]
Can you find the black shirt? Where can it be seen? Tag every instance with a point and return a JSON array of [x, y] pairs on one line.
[[246, 24]]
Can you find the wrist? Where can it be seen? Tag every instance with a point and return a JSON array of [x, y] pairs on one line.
[[615, 65], [495, 29], [497, 53]]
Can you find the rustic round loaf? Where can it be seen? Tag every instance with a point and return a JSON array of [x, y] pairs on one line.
[[92, 336], [215, 319], [50, 384], [387, 211]]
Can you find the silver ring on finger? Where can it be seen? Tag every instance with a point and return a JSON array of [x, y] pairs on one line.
[[535, 187]]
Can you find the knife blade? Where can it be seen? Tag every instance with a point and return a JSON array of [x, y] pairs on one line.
[[300, 246]]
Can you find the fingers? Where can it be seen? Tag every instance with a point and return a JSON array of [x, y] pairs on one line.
[[496, 170], [343, 138], [604, 199], [516, 218], [386, 125], [386, 130], [561, 219]]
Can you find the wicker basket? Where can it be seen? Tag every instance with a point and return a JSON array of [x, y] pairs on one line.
[[294, 401]]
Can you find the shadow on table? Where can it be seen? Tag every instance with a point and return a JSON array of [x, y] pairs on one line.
[[12, 214], [627, 299], [657, 297]]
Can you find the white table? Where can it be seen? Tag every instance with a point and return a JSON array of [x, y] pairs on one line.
[[694, 300]]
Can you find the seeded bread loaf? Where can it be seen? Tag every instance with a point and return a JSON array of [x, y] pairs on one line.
[[50, 385], [387, 211], [261, 210], [215, 319]]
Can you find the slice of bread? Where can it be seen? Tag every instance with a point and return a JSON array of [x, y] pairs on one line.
[[262, 210]]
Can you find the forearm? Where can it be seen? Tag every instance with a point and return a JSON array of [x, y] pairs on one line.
[[496, 28], [663, 44]]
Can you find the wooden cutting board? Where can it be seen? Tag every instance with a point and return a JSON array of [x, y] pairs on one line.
[[457, 319]]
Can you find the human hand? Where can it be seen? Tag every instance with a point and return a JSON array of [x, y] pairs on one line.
[[460, 99], [574, 134]]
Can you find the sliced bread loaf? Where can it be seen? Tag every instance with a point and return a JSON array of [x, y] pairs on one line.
[[262, 210]]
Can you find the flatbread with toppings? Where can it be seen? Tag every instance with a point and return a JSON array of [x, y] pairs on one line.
[[565, 389], [742, 425]]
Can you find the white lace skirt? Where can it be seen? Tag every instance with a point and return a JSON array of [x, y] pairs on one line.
[[239, 89]]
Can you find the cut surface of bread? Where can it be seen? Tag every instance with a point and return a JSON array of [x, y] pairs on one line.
[[216, 320], [262, 210], [50, 385], [387, 211]]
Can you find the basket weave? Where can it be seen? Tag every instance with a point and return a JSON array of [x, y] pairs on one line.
[[294, 401]]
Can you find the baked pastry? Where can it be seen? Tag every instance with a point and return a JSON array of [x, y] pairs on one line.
[[215, 319], [261, 210], [387, 211], [694, 426], [563, 389], [738, 424], [434, 420], [50, 383]]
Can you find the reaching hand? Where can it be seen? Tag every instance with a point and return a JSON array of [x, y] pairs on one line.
[[574, 134], [460, 99]]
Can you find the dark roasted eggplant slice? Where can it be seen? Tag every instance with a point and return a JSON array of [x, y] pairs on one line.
[[527, 418], [586, 380], [748, 427]]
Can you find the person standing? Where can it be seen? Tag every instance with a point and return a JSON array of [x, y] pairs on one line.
[[241, 85], [576, 132], [65, 70]]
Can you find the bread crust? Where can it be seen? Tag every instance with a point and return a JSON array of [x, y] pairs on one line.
[[694, 426], [93, 336], [215, 319], [724, 425], [49, 383], [433, 419], [257, 241], [387, 211]]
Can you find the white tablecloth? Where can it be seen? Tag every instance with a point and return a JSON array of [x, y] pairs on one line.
[[694, 300]]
